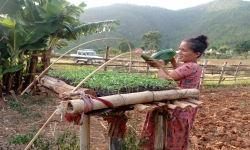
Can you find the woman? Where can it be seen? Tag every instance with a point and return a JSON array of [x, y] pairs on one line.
[[180, 122]]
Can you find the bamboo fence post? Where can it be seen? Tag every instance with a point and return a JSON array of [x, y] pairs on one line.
[[222, 72], [203, 73], [106, 57], [85, 133], [236, 72]]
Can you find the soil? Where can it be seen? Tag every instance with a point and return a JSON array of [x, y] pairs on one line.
[[222, 121]]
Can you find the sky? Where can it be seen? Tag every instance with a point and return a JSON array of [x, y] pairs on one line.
[[168, 4]]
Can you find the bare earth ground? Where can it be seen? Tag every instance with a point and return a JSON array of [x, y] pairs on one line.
[[222, 122]]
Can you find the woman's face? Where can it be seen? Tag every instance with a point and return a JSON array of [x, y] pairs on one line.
[[186, 54]]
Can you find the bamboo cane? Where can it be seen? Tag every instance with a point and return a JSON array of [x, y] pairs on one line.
[[78, 105]]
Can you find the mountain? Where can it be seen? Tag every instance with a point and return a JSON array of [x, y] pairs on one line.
[[225, 22]]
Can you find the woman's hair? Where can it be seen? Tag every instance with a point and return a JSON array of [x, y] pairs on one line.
[[198, 44]]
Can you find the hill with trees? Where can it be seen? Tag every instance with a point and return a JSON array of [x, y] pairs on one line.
[[225, 22]]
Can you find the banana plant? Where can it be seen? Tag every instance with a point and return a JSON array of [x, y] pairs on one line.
[[72, 28], [32, 25]]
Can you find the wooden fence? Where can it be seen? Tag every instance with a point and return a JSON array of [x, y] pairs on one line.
[[217, 75]]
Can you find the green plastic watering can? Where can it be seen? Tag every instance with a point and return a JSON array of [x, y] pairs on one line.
[[165, 54]]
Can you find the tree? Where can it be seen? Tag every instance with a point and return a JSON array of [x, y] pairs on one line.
[[33, 26], [242, 47], [124, 47], [151, 40], [223, 49]]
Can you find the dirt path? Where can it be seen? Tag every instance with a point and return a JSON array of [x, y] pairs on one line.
[[222, 122]]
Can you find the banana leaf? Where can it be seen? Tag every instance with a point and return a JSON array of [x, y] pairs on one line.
[[13, 69]]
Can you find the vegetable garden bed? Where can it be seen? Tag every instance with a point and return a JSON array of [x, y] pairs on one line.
[[111, 82]]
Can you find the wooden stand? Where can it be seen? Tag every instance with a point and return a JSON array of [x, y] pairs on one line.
[[121, 101]]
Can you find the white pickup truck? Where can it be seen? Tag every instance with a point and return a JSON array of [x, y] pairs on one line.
[[89, 56]]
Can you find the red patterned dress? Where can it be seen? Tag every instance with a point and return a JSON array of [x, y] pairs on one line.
[[180, 122]]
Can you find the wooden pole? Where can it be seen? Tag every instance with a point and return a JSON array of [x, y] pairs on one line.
[[115, 133], [85, 133], [222, 72], [203, 73], [236, 72], [160, 131], [147, 68], [106, 57]]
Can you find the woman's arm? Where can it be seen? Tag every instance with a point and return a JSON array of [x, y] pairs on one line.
[[172, 75]]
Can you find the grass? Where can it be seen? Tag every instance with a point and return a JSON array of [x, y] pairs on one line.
[[67, 140], [21, 104], [30, 108], [220, 62]]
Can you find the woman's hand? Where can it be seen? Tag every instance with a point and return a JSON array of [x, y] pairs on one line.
[[138, 52], [173, 62]]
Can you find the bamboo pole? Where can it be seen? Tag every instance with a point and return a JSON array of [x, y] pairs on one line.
[[78, 105], [34, 138], [85, 133]]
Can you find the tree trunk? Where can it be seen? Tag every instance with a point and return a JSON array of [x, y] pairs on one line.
[[46, 59], [31, 69], [8, 81], [61, 87], [18, 82]]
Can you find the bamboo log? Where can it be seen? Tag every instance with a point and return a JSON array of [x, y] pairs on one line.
[[85, 133], [78, 105], [60, 86]]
